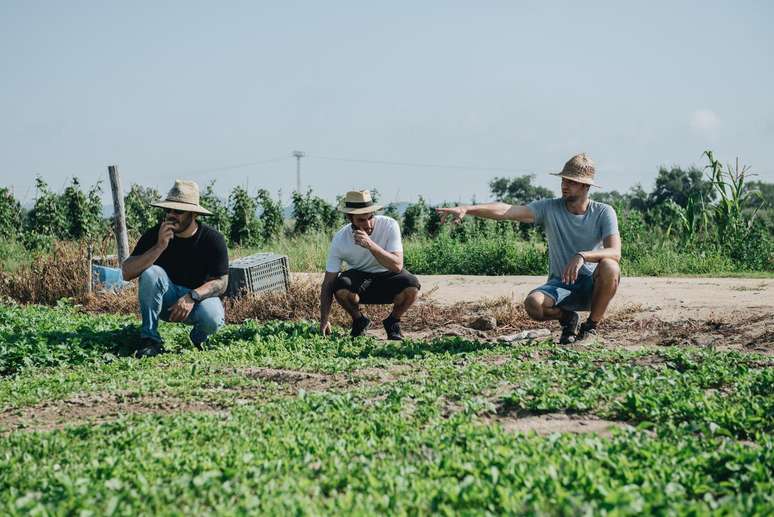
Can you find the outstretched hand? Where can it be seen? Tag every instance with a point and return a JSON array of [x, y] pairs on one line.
[[455, 213]]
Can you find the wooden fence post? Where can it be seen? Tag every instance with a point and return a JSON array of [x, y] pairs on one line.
[[122, 240]]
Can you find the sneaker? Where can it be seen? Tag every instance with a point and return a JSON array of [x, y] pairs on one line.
[[392, 327], [587, 332], [149, 348], [359, 326], [569, 329]]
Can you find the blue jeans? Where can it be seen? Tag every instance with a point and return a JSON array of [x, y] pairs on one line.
[[157, 294]]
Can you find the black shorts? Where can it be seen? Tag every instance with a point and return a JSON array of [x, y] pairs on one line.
[[375, 288]]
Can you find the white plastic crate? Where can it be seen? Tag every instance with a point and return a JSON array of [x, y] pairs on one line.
[[258, 273]]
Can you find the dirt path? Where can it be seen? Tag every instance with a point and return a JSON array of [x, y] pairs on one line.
[[668, 299], [729, 313]]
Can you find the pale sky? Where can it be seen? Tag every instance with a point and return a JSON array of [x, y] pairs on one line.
[[227, 90]]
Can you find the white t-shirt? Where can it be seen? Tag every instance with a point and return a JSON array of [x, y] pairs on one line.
[[343, 248]]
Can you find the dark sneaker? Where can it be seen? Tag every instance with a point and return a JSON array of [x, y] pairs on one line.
[[392, 327], [149, 348], [569, 329], [359, 326], [587, 332]]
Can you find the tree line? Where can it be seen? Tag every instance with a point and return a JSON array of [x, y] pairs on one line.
[[715, 208]]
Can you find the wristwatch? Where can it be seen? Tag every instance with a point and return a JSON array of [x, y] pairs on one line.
[[195, 296]]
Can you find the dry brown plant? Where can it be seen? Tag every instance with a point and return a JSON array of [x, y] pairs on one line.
[[64, 273], [61, 274]]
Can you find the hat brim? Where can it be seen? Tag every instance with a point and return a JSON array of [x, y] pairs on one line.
[[183, 207], [585, 181], [364, 210]]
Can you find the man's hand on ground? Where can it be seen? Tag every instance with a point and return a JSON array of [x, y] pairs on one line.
[[363, 240], [166, 234], [325, 328], [181, 309], [570, 274], [456, 213]]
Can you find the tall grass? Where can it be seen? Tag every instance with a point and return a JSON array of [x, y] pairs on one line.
[[305, 252]]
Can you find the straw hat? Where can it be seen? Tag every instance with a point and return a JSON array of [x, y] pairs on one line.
[[184, 196], [358, 202], [579, 168]]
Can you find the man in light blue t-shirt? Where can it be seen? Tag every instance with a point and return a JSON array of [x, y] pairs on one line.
[[584, 249]]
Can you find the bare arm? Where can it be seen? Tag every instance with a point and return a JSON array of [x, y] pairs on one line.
[[213, 287], [326, 300], [392, 260], [133, 267], [611, 250], [497, 211]]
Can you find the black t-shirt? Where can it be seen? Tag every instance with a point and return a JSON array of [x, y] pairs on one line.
[[191, 261]]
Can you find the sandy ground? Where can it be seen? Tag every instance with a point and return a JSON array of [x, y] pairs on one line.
[[668, 299], [722, 313]]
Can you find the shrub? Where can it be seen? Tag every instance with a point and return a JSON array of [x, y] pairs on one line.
[[415, 217], [82, 211], [312, 214], [271, 216], [220, 217], [10, 215], [140, 215], [47, 216], [244, 227]]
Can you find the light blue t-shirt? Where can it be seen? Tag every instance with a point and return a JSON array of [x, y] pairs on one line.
[[569, 233]]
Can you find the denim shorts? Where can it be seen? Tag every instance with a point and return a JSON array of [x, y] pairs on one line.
[[575, 297]]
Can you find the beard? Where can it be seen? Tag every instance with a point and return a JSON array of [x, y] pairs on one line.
[[183, 222], [572, 198]]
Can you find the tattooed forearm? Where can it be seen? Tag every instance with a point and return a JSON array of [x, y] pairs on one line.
[[214, 287]]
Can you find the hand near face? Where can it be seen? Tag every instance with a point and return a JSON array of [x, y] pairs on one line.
[[181, 309], [454, 213], [166, 234], [570, 273], [362, 239]]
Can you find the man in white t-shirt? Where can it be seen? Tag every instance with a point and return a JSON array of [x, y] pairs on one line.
[[371, 246]]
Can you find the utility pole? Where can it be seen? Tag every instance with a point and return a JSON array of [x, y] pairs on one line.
[[298, 155]]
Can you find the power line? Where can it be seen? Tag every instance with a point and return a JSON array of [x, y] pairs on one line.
[[427, 165], [199, 172]]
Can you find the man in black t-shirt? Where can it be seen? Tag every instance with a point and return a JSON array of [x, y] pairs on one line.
[[183, 269]]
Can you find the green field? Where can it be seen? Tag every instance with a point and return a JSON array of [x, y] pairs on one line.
[[273, 418]]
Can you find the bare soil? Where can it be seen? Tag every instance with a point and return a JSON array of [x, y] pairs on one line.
[[99, 408], [724, 313], [555, 423]]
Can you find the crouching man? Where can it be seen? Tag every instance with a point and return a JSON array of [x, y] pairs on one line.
[[584, 249], [183, 269], [371, 246]]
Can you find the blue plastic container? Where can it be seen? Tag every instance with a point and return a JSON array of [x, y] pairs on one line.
[[108, 278]]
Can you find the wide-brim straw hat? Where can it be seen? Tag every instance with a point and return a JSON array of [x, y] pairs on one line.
[[579, 168], [183, 196], [358, 202]]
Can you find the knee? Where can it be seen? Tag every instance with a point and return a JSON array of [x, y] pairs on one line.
[[343, 295], [609, 270], [408, 295], [534, 307], [212, 317], [152, 276]]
